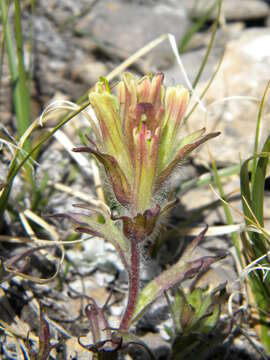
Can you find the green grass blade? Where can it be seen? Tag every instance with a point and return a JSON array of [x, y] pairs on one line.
[[245, 190], [253, 201], [8, 38], [206, 179], [23, 116], [256, 143], [31, 36], [196, 27], [209, 83], [253, 193], [229, 218], [259, 181], [210, 46], [20, 92], [2, 49]]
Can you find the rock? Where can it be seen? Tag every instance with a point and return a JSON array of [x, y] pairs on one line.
[[231, 9], [242, 77], [128, 27], [97, 254], [88, 72]]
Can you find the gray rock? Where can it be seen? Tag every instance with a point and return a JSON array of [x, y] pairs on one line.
[[231, 9], [97, 254], [88, 72], [242, 77], [128, 27]]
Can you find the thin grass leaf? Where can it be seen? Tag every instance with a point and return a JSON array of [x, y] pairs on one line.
[[196, 27], [259, 181], [245, 190], [2, 49], [253, 204], [226, 208], [256, 143], [253, 199], [206, 179], [22, 82], [11, 55], [210, 46], [31, 36], [209, 83]]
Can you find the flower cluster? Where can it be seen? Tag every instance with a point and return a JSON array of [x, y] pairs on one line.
[[138, 140]]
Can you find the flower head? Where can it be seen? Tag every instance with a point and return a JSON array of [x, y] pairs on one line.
[[139, 141]]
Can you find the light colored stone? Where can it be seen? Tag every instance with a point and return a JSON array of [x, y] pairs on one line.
[[88, 72], [232, 10], [97, 254], [128, 27]]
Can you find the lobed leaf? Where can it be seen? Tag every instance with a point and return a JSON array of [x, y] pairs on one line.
[[103, 226]]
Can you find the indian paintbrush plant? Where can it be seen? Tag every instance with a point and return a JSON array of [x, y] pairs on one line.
[[137, 139]]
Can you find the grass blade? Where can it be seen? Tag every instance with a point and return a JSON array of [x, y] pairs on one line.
[[23, 115], [210, 46], [256, 143], [196, 27], [227, 211]]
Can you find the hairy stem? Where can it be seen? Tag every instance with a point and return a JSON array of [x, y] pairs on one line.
[[134, 278]]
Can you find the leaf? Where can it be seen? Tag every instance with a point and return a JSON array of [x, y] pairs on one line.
[[258, 184], [180, 156], [179, 272], [253, 198], [102, 226], [117, 176]]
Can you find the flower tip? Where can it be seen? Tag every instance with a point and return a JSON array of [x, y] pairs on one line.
[[215, 134], [160, 75]]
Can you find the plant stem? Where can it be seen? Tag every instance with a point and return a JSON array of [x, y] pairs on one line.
[[134, 279]]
